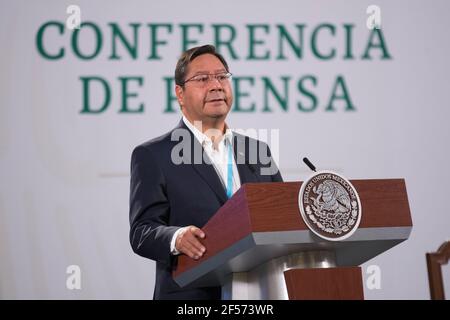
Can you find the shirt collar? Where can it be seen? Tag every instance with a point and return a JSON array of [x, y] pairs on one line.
[[202, 138]]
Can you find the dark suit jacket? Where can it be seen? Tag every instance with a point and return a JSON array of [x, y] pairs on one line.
[[165, 196]]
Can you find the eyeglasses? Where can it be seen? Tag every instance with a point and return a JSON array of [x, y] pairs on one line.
[[203, 79]]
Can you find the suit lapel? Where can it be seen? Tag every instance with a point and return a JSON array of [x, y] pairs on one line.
[[208, 173], [241, 157], [203, 168]]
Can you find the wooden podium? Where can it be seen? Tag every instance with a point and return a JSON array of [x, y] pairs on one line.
[[258, 246]]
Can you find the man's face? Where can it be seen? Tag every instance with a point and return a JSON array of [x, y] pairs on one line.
[[206, 102]]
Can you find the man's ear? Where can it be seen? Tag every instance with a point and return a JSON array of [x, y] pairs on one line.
[[180, 95]]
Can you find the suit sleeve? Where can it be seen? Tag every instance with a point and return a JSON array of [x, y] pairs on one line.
[[268, 164], [150, 234], [276, 174]]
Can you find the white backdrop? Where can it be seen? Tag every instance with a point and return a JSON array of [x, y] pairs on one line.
[[65, 175]]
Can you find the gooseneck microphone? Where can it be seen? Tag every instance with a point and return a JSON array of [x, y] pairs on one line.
[[309, 164]]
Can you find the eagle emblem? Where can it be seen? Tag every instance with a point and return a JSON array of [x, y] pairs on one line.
[[330, 206]]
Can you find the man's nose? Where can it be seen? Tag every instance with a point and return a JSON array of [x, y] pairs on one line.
[[214, 84]]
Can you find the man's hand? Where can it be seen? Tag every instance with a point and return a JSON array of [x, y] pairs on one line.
[[188, 242]]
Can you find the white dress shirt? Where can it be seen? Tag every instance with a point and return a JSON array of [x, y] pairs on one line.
[[219, 158]]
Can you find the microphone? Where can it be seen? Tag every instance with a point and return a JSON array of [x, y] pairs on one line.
[[309, 164]]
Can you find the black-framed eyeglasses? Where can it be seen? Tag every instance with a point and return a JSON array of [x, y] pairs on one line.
[[203, 79]]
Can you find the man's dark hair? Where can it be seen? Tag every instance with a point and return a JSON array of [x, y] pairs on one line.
[[189, 55]]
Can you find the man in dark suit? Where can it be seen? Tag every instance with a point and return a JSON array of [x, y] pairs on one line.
[[180, 180]]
